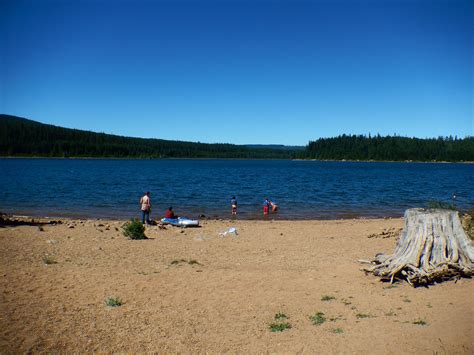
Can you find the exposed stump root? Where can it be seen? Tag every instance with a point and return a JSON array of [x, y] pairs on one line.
[[433, 247], [386, 233]]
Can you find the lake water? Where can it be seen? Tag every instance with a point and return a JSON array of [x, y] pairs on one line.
[[303, 189]]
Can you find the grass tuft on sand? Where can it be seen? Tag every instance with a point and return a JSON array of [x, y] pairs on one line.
[[113, 302], [420, 322], [327, 298], [318, 318], [364, 315], [279, 327]]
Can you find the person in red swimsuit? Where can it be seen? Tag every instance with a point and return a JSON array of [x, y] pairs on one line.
[[266, 206], [170, 213]]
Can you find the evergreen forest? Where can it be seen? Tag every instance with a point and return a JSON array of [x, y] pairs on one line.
[[26, 138], [20, 137], [391, 148]]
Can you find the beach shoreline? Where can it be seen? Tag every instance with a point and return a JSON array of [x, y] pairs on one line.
[[227, 217], [192, 290], [288, 159]]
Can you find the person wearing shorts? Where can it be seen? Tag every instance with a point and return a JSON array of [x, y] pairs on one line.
[[145, 206], [233, 203], [266, 206]]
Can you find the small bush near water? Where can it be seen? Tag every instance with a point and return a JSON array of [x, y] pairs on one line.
[[134, 230], [441, 205]]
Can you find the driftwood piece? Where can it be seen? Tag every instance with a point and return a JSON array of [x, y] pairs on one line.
[[432, 247]]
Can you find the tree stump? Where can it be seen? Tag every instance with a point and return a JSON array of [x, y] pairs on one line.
[[432, 247]]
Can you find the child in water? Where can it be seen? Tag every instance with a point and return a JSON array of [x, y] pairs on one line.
[[233, 202], [266, 206], [274, 206]]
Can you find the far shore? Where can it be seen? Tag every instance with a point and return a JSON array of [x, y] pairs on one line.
[[180, 158]]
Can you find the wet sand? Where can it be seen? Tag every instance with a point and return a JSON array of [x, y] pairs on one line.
[[194, 291]]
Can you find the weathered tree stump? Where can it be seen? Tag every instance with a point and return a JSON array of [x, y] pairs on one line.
[[432, 247]]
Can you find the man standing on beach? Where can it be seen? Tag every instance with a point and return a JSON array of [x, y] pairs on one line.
[[145, 203]]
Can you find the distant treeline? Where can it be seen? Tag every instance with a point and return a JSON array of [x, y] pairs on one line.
[[352, 147], [23, 137], [26, 138]]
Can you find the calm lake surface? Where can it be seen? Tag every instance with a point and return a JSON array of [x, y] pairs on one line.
[[303, 189]]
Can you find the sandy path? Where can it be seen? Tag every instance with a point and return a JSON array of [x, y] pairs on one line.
[[226, 302]]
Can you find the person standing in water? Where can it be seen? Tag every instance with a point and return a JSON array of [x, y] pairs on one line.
[[145, 206], [274, 206], [233, 203], [266, 206]]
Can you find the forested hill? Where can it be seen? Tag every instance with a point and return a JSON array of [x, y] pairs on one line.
[[352, 147], [23, 137]]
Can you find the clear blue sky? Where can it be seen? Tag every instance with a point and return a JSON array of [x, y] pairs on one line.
[[282, 72]]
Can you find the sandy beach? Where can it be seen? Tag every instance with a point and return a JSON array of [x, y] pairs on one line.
[[193, 291]]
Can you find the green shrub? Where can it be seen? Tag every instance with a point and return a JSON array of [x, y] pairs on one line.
[[441, 205], [318, 318], [113, 302], [279, 327], [134, 230]]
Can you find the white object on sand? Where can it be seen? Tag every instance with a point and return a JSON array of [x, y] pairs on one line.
[[231, 230]]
